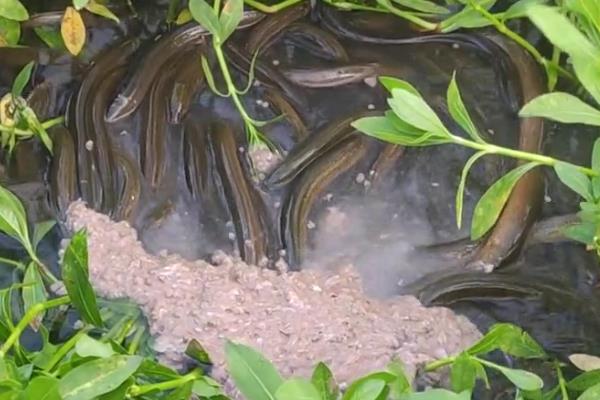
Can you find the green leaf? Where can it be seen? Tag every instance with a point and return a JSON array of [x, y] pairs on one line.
[[324, 382], [423, 6], [574, 179], [101, 10], [519, 9], [206, 16], [297, 389], [183, 392], [22, 79], [255, 377], [461, 186], [592, 393], [40, 230], [401, 384], [206, 387], [492, 202], [79, 4], [75, 277], [97, 377], [209, 77], [13, 9], [510, 339], [596, 156], [583, 232], [119, 393], [90, 347], [365, 389], [467, 18], [197, 352], [459, 111], [585, 362], [33, 292], [438, 394], [522, 379], [584, 381], [463, 373], [10, 31], [393, 130], [51, 36], [561, 107], [413, 110], [391, 83], [230, 17], [42, 388], [13, 221]]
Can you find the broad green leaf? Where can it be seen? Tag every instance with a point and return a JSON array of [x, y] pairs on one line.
[[596, 156], [369, 389], [584, 381], [75, 277], [101, 10], [574, 179], [561, 107], [13, 221], [461, 186], [297, 389], [413, 110], [492, 202], [21, 80], [463, 373], [153, 369], [524, 380], [203, 13], [585, 362], [96, 377], [230, 17], [182, 392], [459, 111], [562, 32], [43, 358], [551, 70], [51, 36], [197, 352], [425, 6], [10, 32], [13, 9], [583, 232], [401, 383], [72, 30], [79, 4], [467, 18], [383, 128], [33, 292], [206, 387], [40, 230], [42, 388], [592, 393], [255, 377], [438, 394], [324, 382], [119, 393], [588, 73], [391, 83], [90, 347], [510, 339], [519, 9]]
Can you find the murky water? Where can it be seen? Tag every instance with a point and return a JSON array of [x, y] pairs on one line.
[[376, 225]]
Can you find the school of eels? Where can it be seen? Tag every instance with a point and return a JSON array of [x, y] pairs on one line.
[[134, 127]]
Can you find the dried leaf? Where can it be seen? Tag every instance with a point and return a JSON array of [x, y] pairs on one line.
[[72, 30]]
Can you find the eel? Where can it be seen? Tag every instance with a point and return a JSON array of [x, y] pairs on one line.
[[63, 171], [331, 77], [384, 162], [279, 102], [316, 41], [267, 31], [189, 80], [129, 187], [310, 149], [246, 207], [309, 187]]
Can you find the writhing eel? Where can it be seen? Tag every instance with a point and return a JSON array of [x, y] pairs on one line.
[[129, 187], [189, 80], [331, 77], [63, 171], [247, 208], [316, 41], [309, 187]]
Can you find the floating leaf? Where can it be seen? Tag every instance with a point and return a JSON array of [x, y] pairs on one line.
[[90, 347], [561, 107], [96, 377], [459, 111], [324, 382], [33, 292], [463, 373], [72, 30], [75, 277], [297, 389], [13, 9], [206, 16], [365, 389], [255, 377], [585, 362], [101, 10], [574, 179], [10, 32], [492, 202], [461, 186], [230, 18]]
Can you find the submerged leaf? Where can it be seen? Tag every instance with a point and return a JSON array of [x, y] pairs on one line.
[[561, 107], [492, 202], [72, 30]]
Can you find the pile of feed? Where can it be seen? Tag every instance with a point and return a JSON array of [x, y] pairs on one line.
[[295, 318]]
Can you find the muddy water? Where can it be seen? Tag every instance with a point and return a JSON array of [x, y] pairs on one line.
[[376, 225]]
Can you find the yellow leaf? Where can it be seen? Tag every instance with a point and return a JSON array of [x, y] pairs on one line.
[[72, 30], [184, 17], [101, 10]]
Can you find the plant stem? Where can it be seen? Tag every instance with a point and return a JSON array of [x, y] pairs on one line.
[[561, 381], [522, 155], [136, 390], [271, 9], [432, 366], [27, 318], [14, 263], [503, 29], [420, 22], [137, 338], [65, 348]]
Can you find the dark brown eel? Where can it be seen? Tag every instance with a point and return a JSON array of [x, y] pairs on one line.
[[63, 171], [129, 187]]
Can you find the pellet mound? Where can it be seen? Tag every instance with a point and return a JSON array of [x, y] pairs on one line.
[[295, 319]]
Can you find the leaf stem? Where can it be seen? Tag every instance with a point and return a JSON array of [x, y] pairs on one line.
[[561, 381], [27, 318], [437, 364], [273, 8], [17, 264], [136, 390], [64, 349]]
